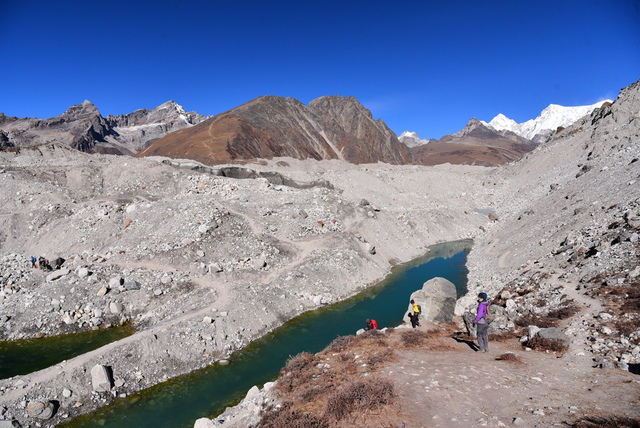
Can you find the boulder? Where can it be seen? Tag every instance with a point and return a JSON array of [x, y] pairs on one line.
[[437, 299], [115, 308], [555, 334], [10, 424], [101, 378], [41, 409], [57, 274], [204, 423]]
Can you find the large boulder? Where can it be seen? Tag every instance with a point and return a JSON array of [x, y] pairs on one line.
[[500, 324], [554, 333], [437, 299], [101, 378]]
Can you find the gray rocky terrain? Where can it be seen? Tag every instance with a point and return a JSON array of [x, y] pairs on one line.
[[186, 255]]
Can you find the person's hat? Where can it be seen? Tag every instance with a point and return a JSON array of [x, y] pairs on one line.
[[483, 296]]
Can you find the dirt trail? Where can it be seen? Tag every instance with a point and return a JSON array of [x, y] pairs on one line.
[[462, 388]]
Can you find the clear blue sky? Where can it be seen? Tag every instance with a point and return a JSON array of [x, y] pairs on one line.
[[425, 66]]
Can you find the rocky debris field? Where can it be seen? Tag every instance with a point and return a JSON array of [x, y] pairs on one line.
[[199, 264]]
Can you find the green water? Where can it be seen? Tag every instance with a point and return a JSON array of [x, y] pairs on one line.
[[27, 356], [207, 392]]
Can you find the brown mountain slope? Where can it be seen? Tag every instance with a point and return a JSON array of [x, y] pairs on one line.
[[332, 127], [476, 144]]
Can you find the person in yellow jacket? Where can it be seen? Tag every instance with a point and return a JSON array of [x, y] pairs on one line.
[[417, 310]]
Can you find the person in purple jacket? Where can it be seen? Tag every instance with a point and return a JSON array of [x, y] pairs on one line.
[[481, 323]]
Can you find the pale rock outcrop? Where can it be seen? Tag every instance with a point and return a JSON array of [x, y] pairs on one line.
[[437, 298]]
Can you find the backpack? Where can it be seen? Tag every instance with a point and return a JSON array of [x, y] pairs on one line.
[[488, 317], [417, 309]]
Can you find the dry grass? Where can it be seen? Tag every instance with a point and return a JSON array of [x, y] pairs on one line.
[[628, 326], [606, 422], [358, 397], [545, 344], [510, 357], [413, 338], [564, 312], [320, 390], [535, 319], [284, 417], [551, 319]]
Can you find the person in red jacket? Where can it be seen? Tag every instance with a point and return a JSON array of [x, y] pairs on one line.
[[371, 324]]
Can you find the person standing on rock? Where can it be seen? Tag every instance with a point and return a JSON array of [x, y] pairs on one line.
[[481, 323], [414, 319], [417, 310]]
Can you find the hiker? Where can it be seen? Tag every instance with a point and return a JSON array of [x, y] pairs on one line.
[[371, 324], [416, 309], [481, 323], [33, 261], [414, 319]]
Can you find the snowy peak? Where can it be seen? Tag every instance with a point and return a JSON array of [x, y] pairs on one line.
[[411, 139], [550, 119], [502, 122]]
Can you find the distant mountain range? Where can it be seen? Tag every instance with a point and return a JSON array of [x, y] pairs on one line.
[[551, 118], [330, 127], [82, 127]]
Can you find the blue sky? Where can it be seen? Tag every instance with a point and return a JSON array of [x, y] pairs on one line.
[[425, 66]]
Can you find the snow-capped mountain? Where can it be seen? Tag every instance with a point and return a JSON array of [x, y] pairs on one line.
[[550, 119], [411, 139]]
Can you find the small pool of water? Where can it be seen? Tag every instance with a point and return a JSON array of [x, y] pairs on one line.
[[21, 357], [207, 392]]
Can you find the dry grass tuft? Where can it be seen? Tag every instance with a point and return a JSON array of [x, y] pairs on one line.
[[628, 326], [340, 343], [285, 417], [413, 338], [606, 422], [535, 319], [545, 344], [377, 358], [510, 357], [298, 371], [564, 312], [359, 396]]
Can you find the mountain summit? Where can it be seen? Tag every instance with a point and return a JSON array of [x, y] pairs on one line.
[[550, 119]]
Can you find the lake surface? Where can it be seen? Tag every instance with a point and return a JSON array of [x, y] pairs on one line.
[[207, 392], [27, 356]]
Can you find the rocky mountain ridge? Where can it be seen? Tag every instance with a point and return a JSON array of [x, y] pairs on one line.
[[475, 144], [82, 127], [330, 127]]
